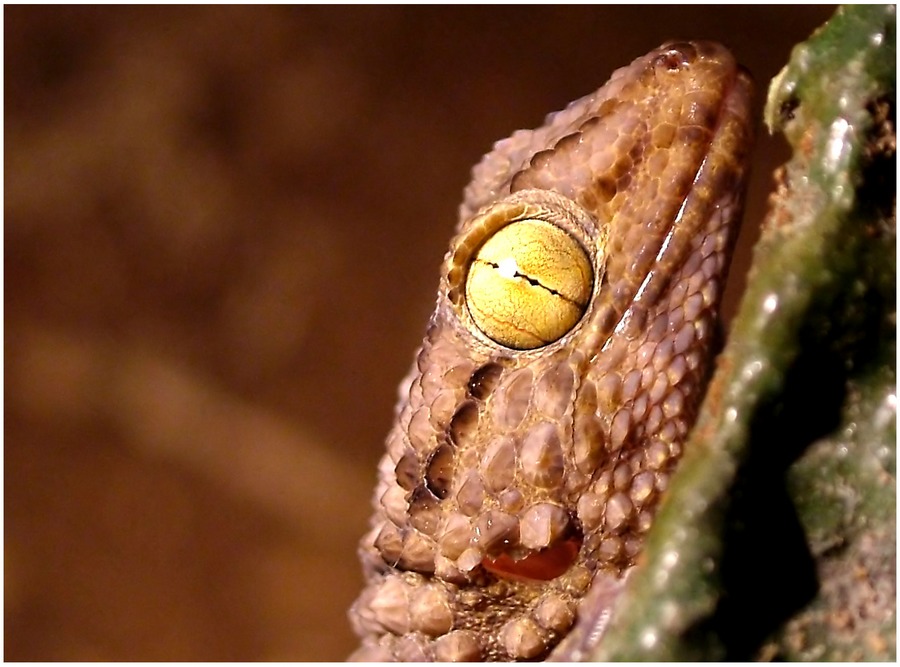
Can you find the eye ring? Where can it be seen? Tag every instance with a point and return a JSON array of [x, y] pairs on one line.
[[520, 273]]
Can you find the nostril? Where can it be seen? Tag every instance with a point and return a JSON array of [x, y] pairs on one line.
[[542, 565]]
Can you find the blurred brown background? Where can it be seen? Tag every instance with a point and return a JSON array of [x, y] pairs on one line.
[[223, 230]]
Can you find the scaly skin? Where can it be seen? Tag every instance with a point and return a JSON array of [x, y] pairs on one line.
[[521, 476]]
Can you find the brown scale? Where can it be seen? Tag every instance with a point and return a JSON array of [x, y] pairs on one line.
[[529, 454]]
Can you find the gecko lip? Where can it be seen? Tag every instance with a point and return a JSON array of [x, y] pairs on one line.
[[541, 565]]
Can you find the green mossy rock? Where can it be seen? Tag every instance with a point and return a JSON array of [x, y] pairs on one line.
[[778, 537]]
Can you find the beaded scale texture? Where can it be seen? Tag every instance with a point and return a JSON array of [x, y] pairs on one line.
[[561, 369]]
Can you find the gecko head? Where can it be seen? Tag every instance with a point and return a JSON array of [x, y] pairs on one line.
[[561, 369]]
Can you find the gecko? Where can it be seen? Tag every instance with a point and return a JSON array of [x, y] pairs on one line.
[[561, 369]]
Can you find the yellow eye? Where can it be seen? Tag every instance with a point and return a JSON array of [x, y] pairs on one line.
[[528, 284]]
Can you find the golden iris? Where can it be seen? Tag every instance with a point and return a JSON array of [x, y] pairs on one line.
[[528, 284]]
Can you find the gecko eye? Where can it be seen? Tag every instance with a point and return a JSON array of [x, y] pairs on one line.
[[528, 284]]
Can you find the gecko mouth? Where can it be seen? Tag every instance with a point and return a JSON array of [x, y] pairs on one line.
[[542, 565]]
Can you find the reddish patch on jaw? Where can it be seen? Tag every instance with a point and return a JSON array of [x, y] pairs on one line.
[[542, 565]]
